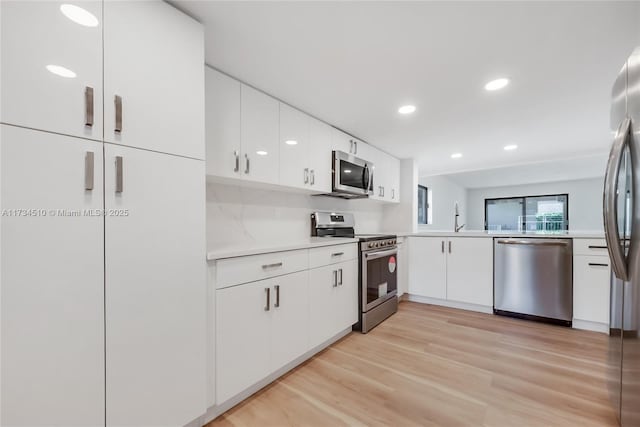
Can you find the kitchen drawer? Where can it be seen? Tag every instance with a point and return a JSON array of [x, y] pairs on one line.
[[234, 271], [326, 255], [590, 247]]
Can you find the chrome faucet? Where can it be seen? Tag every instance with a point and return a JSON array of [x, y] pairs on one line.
[[457, 227]]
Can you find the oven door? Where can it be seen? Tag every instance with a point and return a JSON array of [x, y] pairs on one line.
[[351, 174], [379, 277]]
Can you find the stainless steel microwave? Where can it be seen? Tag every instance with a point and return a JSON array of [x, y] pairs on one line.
[[352, 176]]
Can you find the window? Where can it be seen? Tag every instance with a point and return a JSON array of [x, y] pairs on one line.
[[423, 205], [529, 213]]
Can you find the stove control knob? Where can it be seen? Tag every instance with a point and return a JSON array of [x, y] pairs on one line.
[[377, 244], [391, 242], [370, 244]]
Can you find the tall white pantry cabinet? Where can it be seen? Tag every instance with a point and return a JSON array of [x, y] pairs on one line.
[[102, 233]]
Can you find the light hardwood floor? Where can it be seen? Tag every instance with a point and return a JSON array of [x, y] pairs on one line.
[[436, 366]]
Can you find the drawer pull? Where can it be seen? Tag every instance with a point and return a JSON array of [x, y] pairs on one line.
[[277, 264], [337, 254], [597, 247], [597, 264]]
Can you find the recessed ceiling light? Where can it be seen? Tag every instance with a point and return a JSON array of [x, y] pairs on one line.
[[496, 84], [261, 153], [79, 15], [456, 155], [291, 142], [61, 71], [407, 109], [510, 147]]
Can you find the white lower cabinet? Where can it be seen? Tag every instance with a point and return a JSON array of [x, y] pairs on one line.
[[591, 289], [51, 280], [427, 267], [155, 287], [455, 269], [334, 300], [470, 270], [263, 326]]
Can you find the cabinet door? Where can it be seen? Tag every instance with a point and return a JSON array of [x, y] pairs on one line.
[[290, 323], [341, 141], [379, 160], [259, 133], [320, 155], [51, 282], [427, 267], [322, 312], [393, 180], [155, 288], [470, 270], [403, 266], [294, 148], [347, 295], [243, 328], [47, 63], [153, 61], [223, 124], [591, 288]]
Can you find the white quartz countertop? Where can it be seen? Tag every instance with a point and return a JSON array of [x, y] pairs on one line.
[[578, 234], [261, 248]]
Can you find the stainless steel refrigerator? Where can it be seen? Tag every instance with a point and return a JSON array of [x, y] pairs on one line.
[[622, 230]]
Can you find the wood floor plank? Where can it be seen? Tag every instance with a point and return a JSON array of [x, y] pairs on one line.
[[436, 366]]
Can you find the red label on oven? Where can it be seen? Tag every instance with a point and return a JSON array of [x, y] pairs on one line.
[[392, 264]]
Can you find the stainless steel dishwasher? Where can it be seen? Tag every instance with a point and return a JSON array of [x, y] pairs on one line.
[[533, 279]]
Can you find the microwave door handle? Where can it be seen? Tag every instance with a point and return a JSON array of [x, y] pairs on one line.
[[365, 178], [610, 211]]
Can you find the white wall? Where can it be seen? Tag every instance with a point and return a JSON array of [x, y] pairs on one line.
[[585, 201], [243, 215], [444, 194], [403, 216]]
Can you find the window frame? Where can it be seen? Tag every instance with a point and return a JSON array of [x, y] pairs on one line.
[[426, 202], [524, 208]]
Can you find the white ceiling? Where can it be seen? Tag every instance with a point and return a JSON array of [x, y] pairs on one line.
[[583, 167], [353, 64]]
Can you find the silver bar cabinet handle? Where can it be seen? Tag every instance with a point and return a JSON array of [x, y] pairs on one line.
[[443, 246], [351, 146], [449, 246], [118, 102], [597, 247], [277, 264], [306, 175], [337, 254], [598, 264], [355, 144], [267, 306], [335, 278], [246, 164], [340, 276], [88, 105], [237, 156], [313, 177], [88, 170], [393, 193], [277, 288], [119, 179], [614, 245]]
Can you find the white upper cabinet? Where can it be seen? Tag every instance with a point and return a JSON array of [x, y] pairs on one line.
[[320, 155], [153, 78], [260, 125], [51, 66], [222, 118], [341, 141], [294, 147]]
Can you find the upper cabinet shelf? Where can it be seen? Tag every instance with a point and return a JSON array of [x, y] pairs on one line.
[[253, 137]]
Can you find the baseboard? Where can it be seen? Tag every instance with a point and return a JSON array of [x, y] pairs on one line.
[[447, 303], [591, 326], [216, 410]]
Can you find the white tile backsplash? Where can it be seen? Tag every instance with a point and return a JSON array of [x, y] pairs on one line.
[[238, 215]]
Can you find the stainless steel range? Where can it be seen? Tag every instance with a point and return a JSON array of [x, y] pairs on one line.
[[378, 261]]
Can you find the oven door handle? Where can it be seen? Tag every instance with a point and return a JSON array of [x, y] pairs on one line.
[[381, 254]]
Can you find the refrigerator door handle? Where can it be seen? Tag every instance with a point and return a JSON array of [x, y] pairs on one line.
[[616, 251]]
